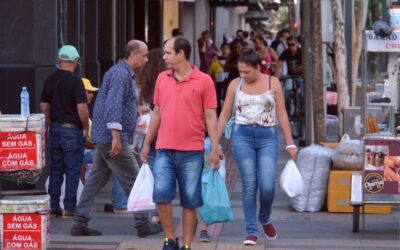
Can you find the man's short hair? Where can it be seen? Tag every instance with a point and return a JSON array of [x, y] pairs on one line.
[[176, 32], [283, 31], [131, 47], [291, 38], [183, 44], [224, 44]]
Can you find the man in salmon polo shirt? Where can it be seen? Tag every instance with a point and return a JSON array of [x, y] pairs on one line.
[[184, 100]]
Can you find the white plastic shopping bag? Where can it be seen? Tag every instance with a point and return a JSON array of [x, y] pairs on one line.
[[141, 196], [291, 181]]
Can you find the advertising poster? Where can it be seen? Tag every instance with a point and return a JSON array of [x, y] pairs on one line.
[[382, 166]]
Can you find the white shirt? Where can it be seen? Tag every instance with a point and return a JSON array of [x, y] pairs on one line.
[[256, 109]]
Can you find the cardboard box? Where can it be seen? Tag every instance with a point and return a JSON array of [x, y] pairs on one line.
[[339, 195]]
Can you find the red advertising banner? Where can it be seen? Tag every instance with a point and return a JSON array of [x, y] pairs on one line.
[[18, 150], [22, 231], [382, 166]]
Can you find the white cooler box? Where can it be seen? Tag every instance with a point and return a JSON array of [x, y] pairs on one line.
[[24, 222], [22, 146]]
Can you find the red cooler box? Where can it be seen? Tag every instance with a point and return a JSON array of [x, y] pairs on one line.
[[24, 222]]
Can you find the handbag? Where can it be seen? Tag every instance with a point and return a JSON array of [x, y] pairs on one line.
[[230, 124], [216, 204]]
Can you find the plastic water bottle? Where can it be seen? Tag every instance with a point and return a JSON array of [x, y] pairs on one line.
[[25, 102]]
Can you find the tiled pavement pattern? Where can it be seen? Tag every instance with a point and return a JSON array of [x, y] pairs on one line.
[[295, 230]]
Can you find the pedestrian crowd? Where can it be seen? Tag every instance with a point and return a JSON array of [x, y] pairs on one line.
[[155, 107]]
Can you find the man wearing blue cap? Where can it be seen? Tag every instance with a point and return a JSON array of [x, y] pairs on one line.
[[64, 104]]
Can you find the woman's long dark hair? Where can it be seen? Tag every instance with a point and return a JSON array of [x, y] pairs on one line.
[[146, 78]]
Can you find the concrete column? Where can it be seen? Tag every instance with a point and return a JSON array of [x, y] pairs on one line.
[[120, 28], [201, 23], [187, 20], [91, 41], [155, 24], [105, 36]]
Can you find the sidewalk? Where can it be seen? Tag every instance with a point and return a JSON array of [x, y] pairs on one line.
[[295, 230]]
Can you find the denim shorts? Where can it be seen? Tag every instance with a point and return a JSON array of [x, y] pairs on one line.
[[184, 166]]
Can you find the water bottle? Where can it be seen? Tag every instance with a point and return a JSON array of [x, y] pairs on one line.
[[24, 102]]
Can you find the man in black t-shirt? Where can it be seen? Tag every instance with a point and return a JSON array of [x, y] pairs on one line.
[[64, 104], [292, 57]]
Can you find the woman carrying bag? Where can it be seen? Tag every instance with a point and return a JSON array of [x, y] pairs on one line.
[[259, 107]]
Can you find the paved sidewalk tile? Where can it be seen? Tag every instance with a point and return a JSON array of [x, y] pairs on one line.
[[321, 230]]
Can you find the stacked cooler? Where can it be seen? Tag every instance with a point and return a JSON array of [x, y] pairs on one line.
[[22, 147], [24, 222]]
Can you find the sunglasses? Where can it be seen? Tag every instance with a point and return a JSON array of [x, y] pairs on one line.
[[291, 44]]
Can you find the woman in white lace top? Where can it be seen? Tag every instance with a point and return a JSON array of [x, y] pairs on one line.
[[260, 107]]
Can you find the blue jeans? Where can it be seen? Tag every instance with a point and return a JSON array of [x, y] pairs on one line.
[[66, 150], [88, 158], [118, 193], [184, 166], [255, 151]]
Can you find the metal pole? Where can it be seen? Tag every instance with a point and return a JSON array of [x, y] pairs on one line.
[[348, 33], [306, 50], [364, 83]]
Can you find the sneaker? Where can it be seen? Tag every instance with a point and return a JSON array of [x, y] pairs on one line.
[[204, 237], [120, 210], [85, 231], [250, 240], [108, 208], [149, 229], [67, 215], [56, 212], [270, 231], [186, 247], [170, 244]]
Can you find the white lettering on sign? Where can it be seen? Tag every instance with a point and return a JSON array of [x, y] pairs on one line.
[[22, 218], [9, 163], [14, 226], [22, 222], [8, 144], [25, 144], [17, 156], [33, 245], [25, 162], [15, 163], [14, 245], [21, 237], [21, 136], [14, 140], [29, 226]]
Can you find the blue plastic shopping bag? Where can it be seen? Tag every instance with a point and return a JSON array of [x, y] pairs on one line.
[[216, 204]]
